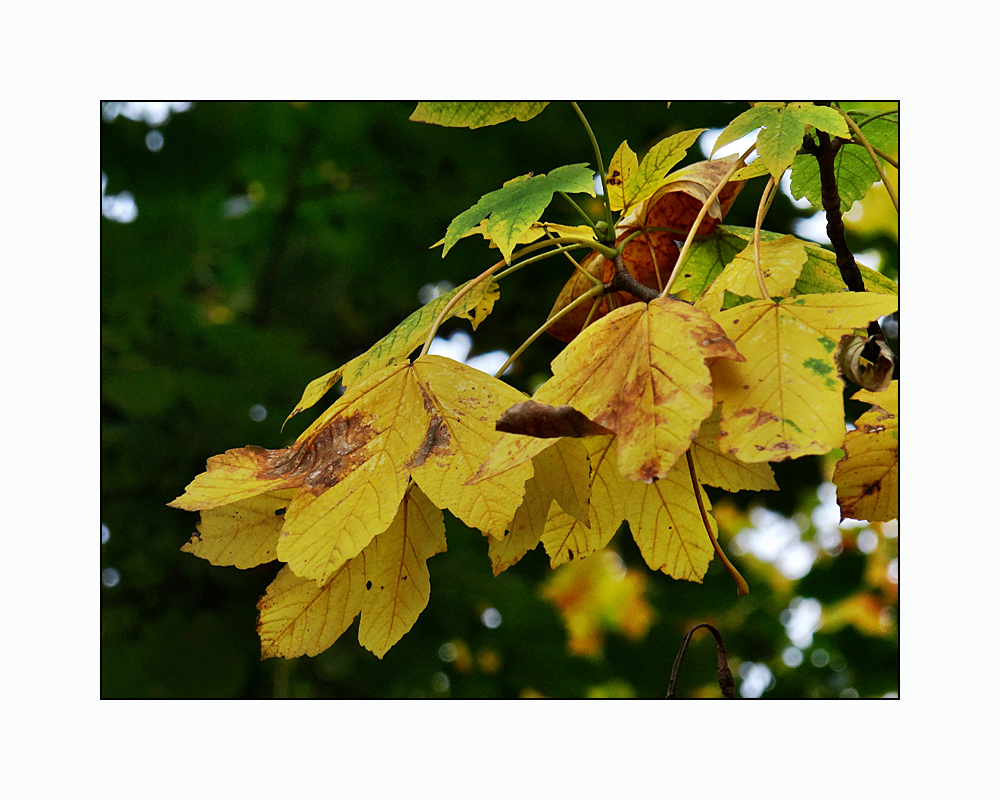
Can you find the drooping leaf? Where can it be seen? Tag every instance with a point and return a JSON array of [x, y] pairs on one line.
[[242, 534], [467, 403], [785, 400], [475, 114], [867, 477], [300, 617], [565, 537], [621, 170], [666, 523], [398, 583], [641, 372], [561, 480], [387, 583], [784, 126], [781, 263], [402, 340], [530, 418], [520, 202]]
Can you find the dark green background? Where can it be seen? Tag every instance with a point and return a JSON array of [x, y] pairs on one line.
[[204, 316]]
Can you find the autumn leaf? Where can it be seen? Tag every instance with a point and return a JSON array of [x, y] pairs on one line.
[[564, 536], [475, 114], [641, 372], [715, 467], [243, 534], [402, 340], [710, 255], [621, 170], [784, 126], [396, 569], [387, 583], [561, 481], [667, 525], [785, 400], [781, 262], [530, 418], [520, 202], [867, 477], [432, 420], [535, 232]]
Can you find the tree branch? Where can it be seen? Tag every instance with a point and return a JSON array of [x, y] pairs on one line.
[[622, 281]]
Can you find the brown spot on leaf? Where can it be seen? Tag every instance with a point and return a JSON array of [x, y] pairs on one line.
[[436, 439], [547, 422], [323, 459]]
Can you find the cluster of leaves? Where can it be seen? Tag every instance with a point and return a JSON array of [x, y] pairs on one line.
[[696, 354]]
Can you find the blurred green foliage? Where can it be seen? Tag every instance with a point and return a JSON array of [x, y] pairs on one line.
[[275, 241]]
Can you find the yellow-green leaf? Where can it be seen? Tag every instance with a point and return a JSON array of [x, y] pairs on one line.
[[621, 170], [397, 582], [661, 157], [781, 263], [785, 400], [356, 460], [242, 534], [867, 477], [475, 114], [784, 126], [513, 208]]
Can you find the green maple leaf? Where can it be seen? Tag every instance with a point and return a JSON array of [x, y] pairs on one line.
[[475, 115], [784, 126], [853, 168], [513, 208]]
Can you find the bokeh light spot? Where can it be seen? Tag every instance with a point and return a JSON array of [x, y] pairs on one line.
[[110, 577], [491, 618]]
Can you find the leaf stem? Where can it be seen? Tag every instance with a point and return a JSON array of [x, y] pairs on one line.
[[593, 291], [540, 257], [451, 304], [741, 585], [581, 212], [600, 165], [765, 204], [881, 114], [871, 152], [701, 215]]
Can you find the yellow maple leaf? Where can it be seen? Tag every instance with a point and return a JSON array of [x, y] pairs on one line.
[[242, 534], [717, 468], [561, 479], [623, 166], [432, 420], [667, 525], [564, 536], [641, 372], [867, 477], [781, 263], [387, 583], [786, 400]]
